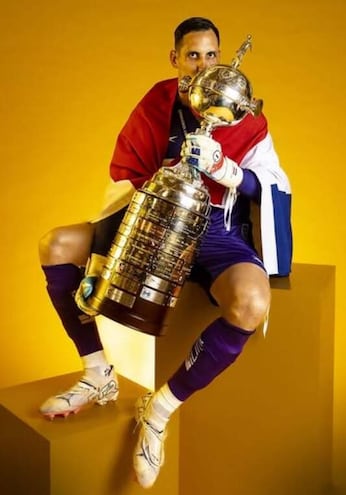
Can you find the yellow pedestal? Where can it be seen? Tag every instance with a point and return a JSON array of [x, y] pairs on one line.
[[263, 427]]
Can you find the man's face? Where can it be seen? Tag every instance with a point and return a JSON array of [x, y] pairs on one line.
[[197, 51]]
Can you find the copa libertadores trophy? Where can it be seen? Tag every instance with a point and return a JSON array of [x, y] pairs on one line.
[[154, 249]]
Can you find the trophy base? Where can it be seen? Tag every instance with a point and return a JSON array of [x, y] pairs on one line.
[[144, 316]]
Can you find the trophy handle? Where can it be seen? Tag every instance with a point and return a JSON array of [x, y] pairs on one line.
[[244, 47]]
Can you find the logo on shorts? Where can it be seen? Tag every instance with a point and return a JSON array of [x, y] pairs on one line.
[[255, 258]]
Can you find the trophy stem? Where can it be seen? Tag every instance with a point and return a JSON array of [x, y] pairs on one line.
[[187, 173], [205, 128]]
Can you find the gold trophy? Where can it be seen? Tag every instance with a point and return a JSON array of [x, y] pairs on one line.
[[154, 249], [222, 95]]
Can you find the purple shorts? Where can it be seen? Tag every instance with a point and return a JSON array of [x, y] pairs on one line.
[[221, 249]]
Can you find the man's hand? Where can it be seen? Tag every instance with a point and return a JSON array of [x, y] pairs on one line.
[[206, 155], [84, 291], [86, 287]]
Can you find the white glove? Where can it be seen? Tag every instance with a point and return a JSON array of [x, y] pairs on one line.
[[206, 155]]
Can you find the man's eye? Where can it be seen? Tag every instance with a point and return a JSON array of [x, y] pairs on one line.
[[193, 55], [212, 55]]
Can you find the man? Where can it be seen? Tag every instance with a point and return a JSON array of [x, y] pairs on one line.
[[236, 277]]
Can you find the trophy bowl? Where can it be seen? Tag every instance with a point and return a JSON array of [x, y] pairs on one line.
[[222, 95]]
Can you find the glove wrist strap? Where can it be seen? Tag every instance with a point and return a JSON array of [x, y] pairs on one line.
[[229, 175]]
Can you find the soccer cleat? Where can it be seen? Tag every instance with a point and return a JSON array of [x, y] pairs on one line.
[[92, 388], [149, 452]]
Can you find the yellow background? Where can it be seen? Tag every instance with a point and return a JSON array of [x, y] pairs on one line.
[[70, 73]]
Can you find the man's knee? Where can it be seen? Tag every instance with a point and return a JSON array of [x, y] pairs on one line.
[[66, 245], [248, 308], [52, 246], [256, 304]]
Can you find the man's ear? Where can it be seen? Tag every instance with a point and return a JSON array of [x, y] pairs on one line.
[[173, 58]]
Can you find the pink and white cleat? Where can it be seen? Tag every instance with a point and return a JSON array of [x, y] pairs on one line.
[[93, 388]]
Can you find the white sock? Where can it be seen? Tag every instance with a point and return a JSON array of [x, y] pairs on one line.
[[162, 406], [95, 360]]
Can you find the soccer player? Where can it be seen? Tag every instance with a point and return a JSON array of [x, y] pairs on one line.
[[159, 131]]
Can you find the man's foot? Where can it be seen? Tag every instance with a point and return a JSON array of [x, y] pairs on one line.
[[149, 453], [92, 388]]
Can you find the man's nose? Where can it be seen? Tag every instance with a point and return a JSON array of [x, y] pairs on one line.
[[202, 64]]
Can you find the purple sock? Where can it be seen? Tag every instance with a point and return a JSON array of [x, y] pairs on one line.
[[219, 346], [62, 282]]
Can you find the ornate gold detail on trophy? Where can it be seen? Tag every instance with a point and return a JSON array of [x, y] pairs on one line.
[[222, 94]]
